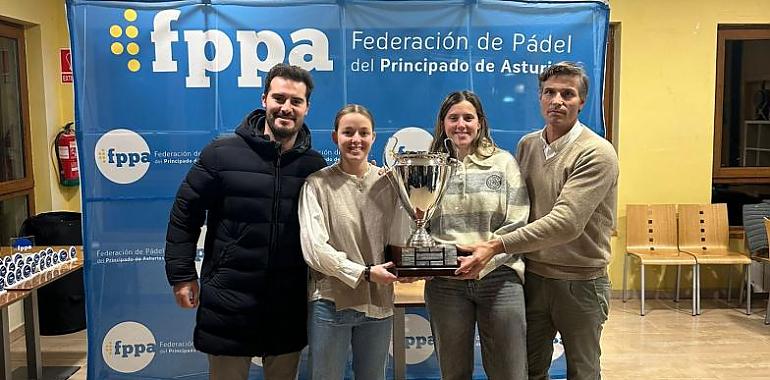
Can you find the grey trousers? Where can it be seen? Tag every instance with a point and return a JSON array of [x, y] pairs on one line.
[[279, 367], [496, 304], [577, 310]]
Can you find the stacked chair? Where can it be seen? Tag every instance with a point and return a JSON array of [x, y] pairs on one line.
[[757, 231], [765, 260]]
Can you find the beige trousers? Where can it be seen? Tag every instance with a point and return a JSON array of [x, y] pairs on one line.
[[279, 367]]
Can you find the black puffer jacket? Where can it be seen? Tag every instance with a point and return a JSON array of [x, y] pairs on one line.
[[253, 298]]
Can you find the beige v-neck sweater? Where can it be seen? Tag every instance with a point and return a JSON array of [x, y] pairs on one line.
[[573, 198]]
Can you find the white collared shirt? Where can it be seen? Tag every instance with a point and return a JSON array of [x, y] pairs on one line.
[[551, 150]]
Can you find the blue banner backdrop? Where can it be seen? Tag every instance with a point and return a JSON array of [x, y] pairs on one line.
[[156, 80]]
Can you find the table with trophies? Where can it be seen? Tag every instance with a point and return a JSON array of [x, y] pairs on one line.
[[22, 272]]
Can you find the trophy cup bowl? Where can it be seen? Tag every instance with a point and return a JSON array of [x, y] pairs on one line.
[[421, 179]]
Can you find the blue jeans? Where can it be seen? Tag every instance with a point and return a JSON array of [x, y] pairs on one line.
[[496, 304], [332, 333]]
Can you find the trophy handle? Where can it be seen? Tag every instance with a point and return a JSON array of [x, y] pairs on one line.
[[390, 173], [391, 154], [451, 148]]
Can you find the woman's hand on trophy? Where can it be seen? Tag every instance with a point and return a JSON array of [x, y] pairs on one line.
[[381, 275]]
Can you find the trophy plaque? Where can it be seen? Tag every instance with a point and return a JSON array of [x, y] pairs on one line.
[[421, 179]]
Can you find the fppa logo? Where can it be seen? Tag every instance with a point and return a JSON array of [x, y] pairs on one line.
[[418, 339], [131, 47], [122, 156], [309, 49], [128, 347]]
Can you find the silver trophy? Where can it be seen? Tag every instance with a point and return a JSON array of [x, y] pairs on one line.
[[421, 179]]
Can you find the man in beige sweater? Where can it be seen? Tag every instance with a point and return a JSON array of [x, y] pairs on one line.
[[571, 175]]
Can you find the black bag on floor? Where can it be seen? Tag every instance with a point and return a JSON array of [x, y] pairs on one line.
[[61, 304]]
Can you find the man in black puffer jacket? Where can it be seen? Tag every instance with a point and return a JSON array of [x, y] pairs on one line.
[[252, 299]]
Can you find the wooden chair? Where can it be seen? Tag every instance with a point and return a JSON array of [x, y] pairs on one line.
[[765, 260], [704, 233], [651, 238]]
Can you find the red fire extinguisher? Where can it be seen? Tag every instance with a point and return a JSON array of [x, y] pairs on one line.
[[67, 156]]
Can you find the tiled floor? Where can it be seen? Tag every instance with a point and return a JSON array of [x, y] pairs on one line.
[[62, 350], [667, 343]]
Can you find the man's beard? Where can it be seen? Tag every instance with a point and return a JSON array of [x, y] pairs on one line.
[[281, 133]]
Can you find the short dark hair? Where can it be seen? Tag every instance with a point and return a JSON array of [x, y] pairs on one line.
[[566, 68], [294, 73]]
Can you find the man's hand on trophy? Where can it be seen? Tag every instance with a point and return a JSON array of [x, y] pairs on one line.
[[479, 256], [381, 275], [186, 294], [470, 267]]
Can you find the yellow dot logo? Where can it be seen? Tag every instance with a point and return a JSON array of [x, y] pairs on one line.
[[129, 15], [117, 48], [108, 347], [132, 48], [102, 156], [130, 32], [134, 65], [116, 31]]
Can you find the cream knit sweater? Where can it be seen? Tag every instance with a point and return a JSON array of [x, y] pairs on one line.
[[486, 198]]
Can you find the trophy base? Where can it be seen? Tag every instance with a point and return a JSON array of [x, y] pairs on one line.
[[440, 260]]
